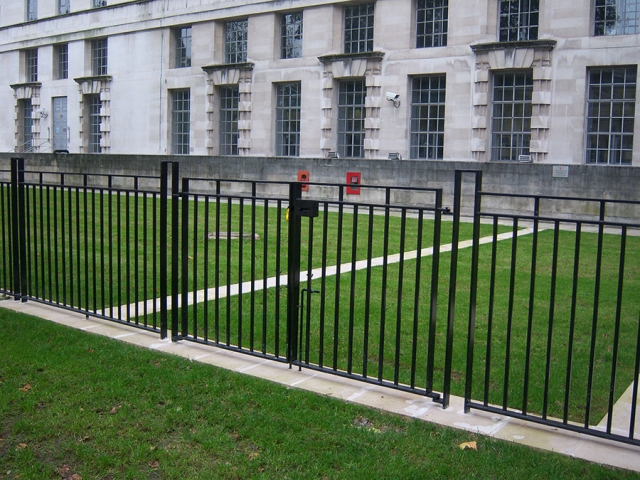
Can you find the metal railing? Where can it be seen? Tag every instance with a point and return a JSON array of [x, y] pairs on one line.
[[331, 278]]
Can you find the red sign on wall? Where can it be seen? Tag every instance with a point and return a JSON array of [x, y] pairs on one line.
[[353, 182]]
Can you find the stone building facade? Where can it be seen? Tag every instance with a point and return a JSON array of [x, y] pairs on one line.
[[492, 80]]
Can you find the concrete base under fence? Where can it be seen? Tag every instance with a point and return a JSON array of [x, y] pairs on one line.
[[546, 438]]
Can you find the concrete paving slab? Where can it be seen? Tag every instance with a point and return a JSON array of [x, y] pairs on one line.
[[506, 428]]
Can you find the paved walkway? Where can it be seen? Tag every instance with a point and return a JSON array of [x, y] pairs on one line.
[[546, 438]]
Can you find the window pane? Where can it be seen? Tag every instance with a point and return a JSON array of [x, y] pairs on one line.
[[236, 41], [518, 20]]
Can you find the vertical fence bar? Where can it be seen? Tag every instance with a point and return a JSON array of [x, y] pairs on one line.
[[453, 278], [184, 243], [490, 316], [572, 321], [205, 270], [473, 288], [336, 319], [265, 274], [416, 299], [367, 295], [175, 249], [240, 265], [323, 282], [252, 324], [278, 270], [616, 337], [596, 309], [532, 289], [435, 280], [293, 272], [164, 254], [352, 290], [18, 228], [510, 312], [552, 309], [383, 294], [403, 231]]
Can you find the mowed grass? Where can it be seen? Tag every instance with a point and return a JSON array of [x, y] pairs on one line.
[[72, 403]]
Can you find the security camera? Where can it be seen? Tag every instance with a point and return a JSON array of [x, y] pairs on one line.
[[393, 97]]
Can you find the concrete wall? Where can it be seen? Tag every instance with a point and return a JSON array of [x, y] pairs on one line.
[[620, 183]]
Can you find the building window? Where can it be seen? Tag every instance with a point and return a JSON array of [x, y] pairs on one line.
[[183, 47], [93, 108], [99, 3], [229, 97], [511, 127], [99, 57], [62, 60], [235, 41], [519, 20], [180, 121], [427, 117], [288, 97], [31, 65], [616, 17], [611, 106], [26, 127], [32, 10], [432, 18], [291, 35], [351, 114], [358, 28], [64, 6]]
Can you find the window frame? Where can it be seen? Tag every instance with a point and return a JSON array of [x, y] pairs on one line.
[[350, 129], [508, 122], [288, 118], [99, 57], [180, 121], [351, 27], [524, 28], [426, 20], [610, 128], [428, 106], [236, 33], [291, 42], [228, 122], [182, 46]]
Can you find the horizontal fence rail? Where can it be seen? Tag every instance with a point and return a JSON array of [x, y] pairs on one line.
[[531, 313], [554, 322]]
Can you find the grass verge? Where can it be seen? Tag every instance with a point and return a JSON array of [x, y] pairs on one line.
[[73, 403]]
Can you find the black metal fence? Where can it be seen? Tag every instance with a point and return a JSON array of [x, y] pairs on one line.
[[365, 282]]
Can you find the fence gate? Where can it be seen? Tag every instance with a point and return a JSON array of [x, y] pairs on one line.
[[363, 286]]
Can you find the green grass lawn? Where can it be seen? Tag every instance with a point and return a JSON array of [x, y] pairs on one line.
[[76, 403]]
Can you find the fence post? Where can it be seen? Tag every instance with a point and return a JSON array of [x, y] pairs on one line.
[[293, 272], [18, 230], [165, 192], [473, 288], [164, 234]]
